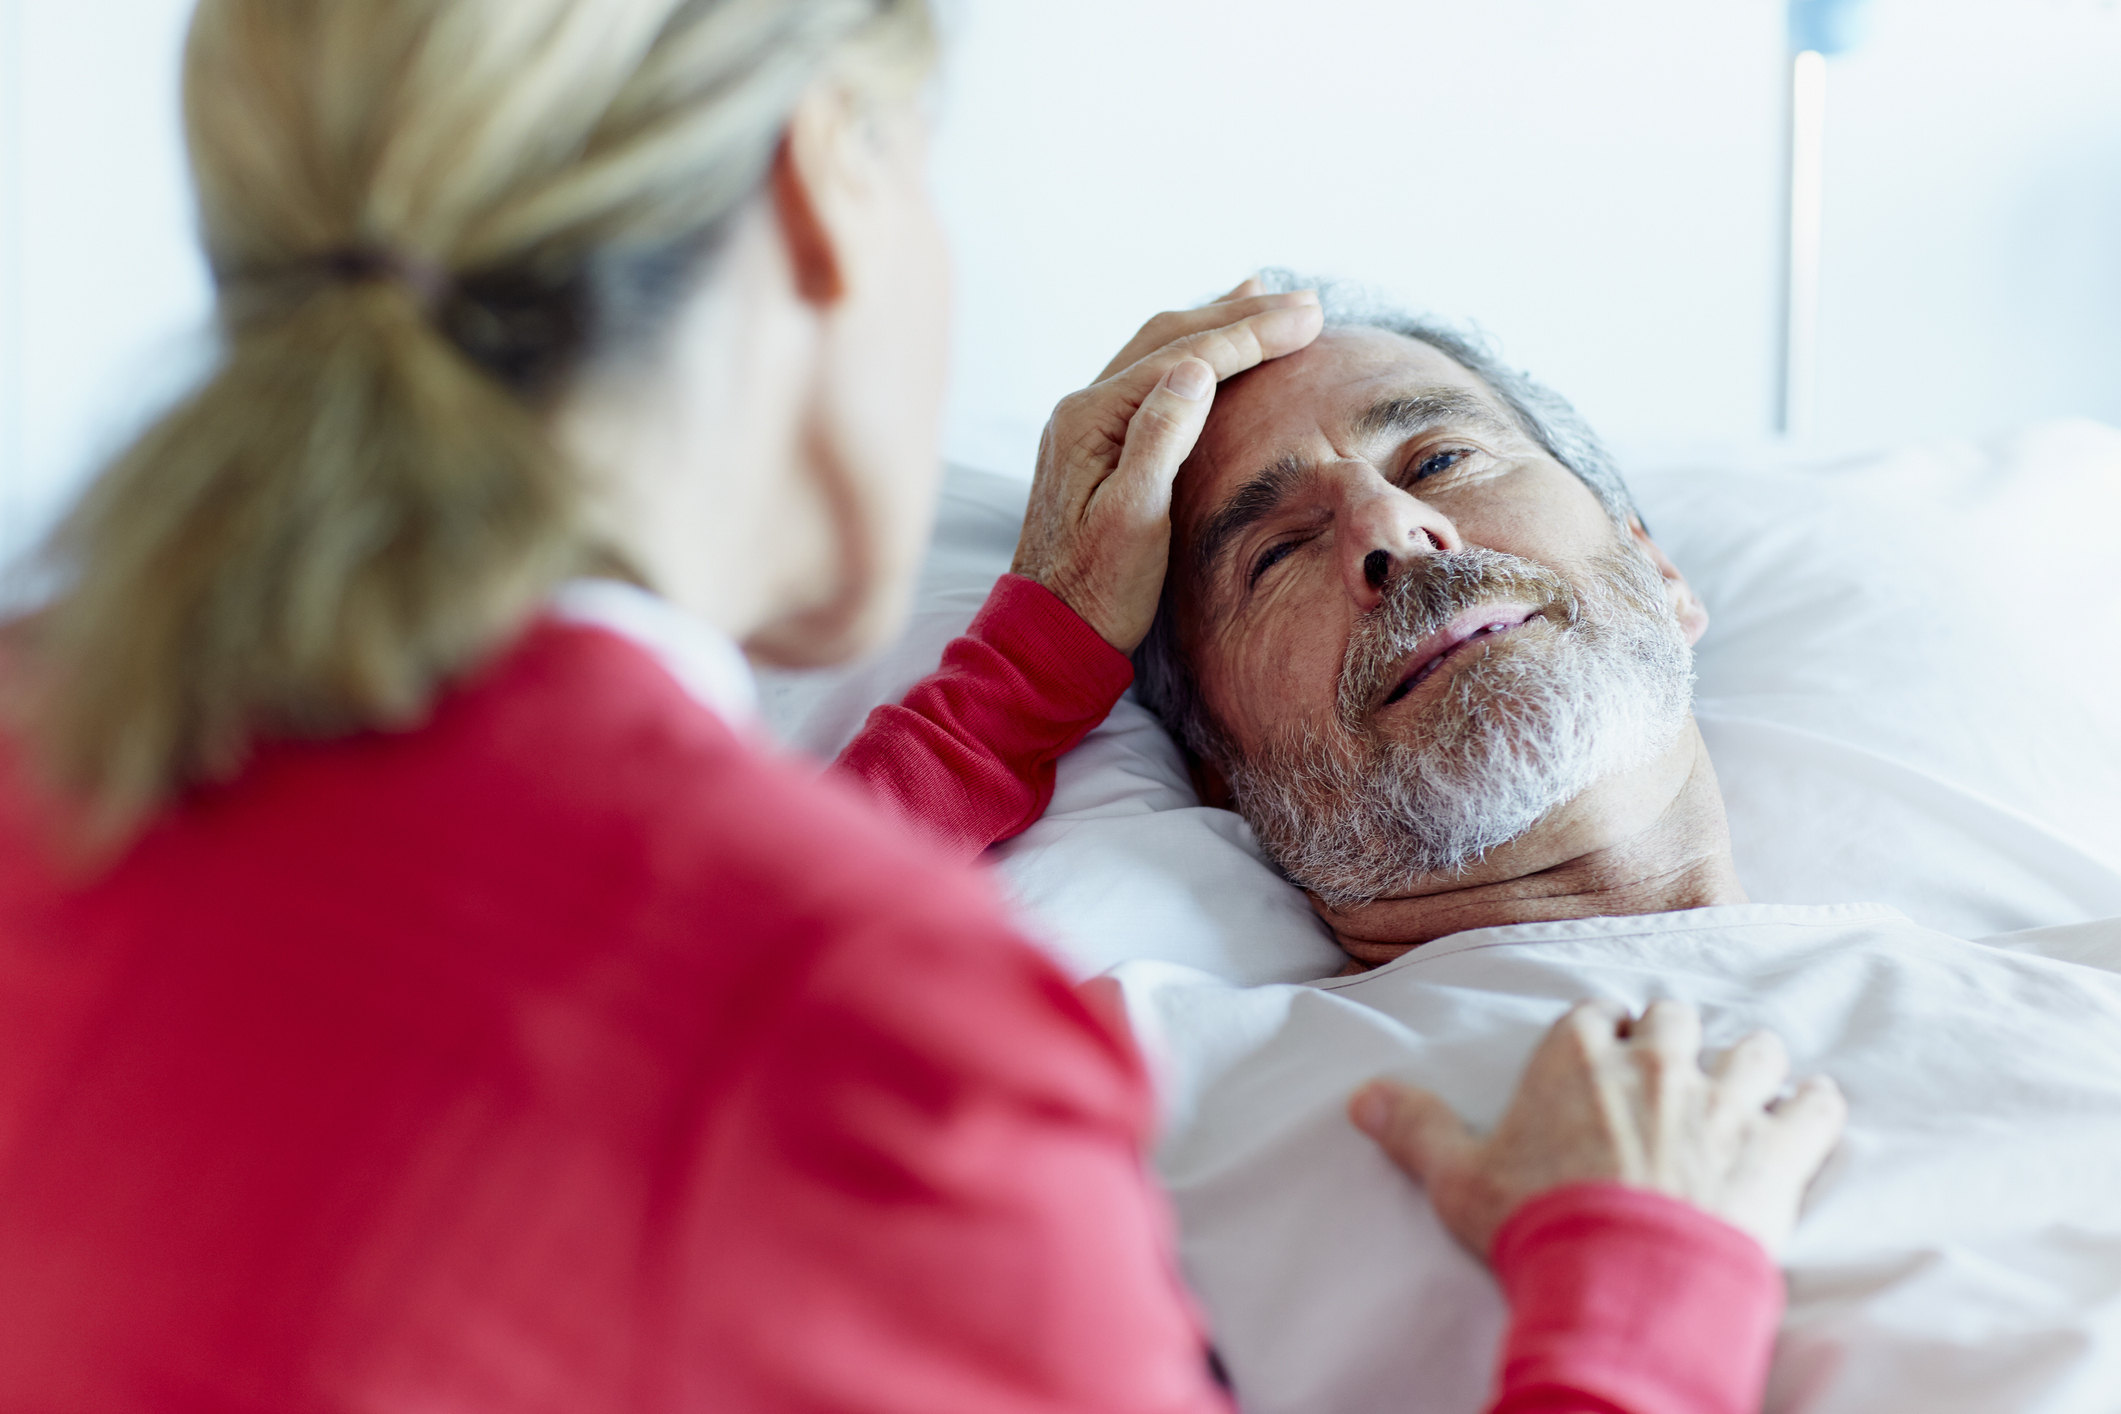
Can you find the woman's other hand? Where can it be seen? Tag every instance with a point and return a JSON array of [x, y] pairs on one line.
[[1098, 529], [1612, 1099]]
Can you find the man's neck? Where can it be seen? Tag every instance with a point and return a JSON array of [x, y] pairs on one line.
[[1652, 841]]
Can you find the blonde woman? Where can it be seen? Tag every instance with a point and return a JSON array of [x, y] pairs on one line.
[[420, 987]]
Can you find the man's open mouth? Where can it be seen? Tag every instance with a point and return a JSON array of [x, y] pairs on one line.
[[1449, 642]]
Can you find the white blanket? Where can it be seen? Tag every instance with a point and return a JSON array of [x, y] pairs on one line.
[[1961, 1253]]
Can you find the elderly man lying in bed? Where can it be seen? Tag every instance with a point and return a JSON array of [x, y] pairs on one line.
[[1414, 631], [1443, 671]]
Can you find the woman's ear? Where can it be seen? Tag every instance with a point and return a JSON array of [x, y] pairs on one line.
[[866, 289], [801, 165], [850, 190], [1693, 615]]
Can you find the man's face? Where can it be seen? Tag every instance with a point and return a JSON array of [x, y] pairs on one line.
[[1416, 630]]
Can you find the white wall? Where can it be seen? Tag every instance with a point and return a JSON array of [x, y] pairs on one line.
[[1596, 182], [102, 292], [1972, 275]]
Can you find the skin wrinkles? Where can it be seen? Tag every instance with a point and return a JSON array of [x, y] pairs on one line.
[[1404, 416], [1345, 426], [1410, 416], [1257, 500]]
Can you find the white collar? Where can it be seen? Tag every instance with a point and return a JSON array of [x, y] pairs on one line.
[[705, 661]]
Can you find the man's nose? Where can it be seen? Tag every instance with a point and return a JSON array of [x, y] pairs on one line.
[[1384, 529]]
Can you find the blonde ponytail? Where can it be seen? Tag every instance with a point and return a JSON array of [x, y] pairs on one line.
[[425, 216]]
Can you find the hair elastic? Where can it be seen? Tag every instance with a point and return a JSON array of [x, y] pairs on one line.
[[262, 290], [428, 280]]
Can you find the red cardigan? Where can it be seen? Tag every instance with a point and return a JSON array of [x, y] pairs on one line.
[[571, 1053]]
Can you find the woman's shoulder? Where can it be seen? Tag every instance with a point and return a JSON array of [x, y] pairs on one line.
[[578, 748], [569, 791], [853, 923], [591, 729]]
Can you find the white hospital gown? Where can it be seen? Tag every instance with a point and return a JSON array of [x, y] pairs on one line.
[[1961, 1252]]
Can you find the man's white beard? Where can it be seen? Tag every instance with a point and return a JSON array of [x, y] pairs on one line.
[[1598, 684]]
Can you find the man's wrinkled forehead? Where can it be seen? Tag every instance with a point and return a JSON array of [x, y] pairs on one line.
[[1353, 386]]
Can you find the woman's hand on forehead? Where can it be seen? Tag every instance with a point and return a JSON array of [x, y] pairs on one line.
[[1097, 531]]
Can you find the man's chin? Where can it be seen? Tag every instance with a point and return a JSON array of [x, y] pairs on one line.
[[1426, 809], [1404, 825], [1479, 695]]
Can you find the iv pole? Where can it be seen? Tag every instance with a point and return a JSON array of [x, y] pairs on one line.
[[1817, 28]]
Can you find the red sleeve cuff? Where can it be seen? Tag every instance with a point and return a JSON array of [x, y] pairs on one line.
[[969, 754], [1070, 663], [1626, 1300]]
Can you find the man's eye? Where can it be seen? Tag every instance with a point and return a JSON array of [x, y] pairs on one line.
[[1439, 461], [1275, 555]]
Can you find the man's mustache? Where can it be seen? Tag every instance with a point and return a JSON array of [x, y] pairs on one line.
[[1422, 599]]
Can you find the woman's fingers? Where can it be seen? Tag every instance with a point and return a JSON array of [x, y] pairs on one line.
[[1243, 289], [1750, 1074], [1417, 1130], [1586, 1033], [1598, 1014], [1610, 1098], [1160, 436], [1670, 1029], [1784, 1149], [1172, 325], [1810, 1123], [1097, 528], [1227, 348], [1127, 529]]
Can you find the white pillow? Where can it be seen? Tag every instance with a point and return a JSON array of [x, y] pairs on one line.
[[1911, 685], [1911, 688]]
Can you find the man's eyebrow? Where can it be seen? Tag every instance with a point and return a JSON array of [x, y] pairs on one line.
[[1403, 415], [1418, 412], [1254, 502]]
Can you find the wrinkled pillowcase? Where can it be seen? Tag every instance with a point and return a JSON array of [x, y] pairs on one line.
[[1910, 687]]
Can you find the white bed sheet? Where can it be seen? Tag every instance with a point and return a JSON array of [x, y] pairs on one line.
[[1960, 1255]]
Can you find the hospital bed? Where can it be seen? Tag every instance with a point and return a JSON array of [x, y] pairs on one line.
[[1911, 690]]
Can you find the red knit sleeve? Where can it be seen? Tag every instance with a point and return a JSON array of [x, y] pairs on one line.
[[969, 754], [931, 1196], [1624, 1301]]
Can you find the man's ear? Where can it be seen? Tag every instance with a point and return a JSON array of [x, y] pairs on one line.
[[1209, 783], [1693, 615], [805, 167]]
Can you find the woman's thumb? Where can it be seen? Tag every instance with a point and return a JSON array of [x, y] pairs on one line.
[[1161, 435], [1415, 1128]]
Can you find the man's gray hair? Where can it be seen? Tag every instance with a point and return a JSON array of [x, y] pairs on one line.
[[1164, 680]]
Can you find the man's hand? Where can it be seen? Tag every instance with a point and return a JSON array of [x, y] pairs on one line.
[[1607, 1099], [1098, 530]]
